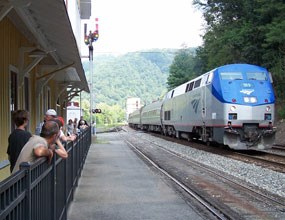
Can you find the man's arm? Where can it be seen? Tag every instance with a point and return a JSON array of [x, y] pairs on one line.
[[42, 151], [72, 137], [60, 150]]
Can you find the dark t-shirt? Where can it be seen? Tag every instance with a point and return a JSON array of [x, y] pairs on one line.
[[17, 139]]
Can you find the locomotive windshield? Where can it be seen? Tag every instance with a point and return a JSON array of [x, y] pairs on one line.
[[256, 76], [239, 76], [231, 76]]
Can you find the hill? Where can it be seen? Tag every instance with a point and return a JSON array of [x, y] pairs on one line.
[[140, 74]]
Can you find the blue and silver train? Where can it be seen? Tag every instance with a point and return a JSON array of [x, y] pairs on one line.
[[232, 105]]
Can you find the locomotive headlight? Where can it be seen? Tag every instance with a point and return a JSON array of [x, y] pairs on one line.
[[253, 99], [268, 109], [233, 108], [246, 99], [250, 99]]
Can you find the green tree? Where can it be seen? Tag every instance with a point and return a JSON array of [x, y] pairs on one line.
[[245, 31], [182, 68], [110, 114]]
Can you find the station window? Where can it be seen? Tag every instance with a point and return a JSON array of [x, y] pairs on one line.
[[27, 94]]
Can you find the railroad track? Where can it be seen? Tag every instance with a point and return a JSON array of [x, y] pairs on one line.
[[267, 158], [223, 196]]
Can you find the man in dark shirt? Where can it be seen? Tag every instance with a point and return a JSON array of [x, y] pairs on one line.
[[19, 137]]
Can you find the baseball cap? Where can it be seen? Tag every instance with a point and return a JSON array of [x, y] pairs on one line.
[[51, 112], [61, 119]]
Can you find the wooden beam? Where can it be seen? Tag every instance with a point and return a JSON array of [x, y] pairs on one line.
[[54, 71]]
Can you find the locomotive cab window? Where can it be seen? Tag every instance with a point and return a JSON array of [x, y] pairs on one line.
[[231, 76], [256, 76]]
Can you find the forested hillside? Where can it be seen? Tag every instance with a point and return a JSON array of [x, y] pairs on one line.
[[139, 74]]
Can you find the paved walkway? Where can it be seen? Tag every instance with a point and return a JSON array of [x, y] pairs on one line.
[[117, 185]]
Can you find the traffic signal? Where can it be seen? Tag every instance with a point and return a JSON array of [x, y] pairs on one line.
[[97, 110]]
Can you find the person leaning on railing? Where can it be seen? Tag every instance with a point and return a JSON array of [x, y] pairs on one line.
[[62, 136], [39, 146]]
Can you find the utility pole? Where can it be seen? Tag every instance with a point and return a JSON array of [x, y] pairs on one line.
[[88, 40]]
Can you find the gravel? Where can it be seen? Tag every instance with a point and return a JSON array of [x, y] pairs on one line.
[[265, 179]]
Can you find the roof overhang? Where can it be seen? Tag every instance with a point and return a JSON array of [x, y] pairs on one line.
[[46, 24]]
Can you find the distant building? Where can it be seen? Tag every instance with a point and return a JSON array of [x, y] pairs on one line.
[[132, 105], [73, 111]]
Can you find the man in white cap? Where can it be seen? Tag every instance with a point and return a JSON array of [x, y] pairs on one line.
[[50, 114]]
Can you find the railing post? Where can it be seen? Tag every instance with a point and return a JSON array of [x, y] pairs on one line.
[[53, 171], [26, 166]]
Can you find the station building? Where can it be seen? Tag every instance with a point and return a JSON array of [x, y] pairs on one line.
[[40, 61]]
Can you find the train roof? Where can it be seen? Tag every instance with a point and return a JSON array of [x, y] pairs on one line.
[[239, 67], [201, 80]]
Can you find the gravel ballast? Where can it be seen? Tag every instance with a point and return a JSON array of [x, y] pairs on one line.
[[265, 179]]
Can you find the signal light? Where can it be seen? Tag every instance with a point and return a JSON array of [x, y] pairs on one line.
[[97, 110]]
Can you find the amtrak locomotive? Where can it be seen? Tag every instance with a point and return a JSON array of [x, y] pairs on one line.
[[231, 105]]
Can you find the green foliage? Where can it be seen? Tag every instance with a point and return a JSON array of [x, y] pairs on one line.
[[139, 74], [182, 68], [142, 74], [110, 114], [242, 31], [245, 31]]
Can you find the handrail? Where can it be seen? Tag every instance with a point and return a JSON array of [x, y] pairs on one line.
[[44, 191]]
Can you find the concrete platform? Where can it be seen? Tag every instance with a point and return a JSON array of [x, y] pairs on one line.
[[117, 184]]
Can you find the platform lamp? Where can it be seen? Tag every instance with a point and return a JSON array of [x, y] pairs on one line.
[[89, 40]]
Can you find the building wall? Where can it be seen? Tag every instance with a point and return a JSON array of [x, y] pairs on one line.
[[11, 40], [132, 105], [73, 9]]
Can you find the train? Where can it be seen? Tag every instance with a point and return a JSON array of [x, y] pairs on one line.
[[232, 105]]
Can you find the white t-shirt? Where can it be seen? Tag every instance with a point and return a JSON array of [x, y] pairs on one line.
[[27, 153]]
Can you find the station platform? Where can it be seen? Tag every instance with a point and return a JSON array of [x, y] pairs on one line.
[[117, 184]]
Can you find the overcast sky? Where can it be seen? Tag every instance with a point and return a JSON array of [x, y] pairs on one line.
[[132, 25]]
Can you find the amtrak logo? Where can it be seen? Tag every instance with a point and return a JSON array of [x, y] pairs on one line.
[[247, 91], [195, 104]]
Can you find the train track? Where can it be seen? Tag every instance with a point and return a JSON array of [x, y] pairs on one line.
[[224, 197], [267, 158]]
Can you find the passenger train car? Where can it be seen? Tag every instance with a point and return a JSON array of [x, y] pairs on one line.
[[231, 105]]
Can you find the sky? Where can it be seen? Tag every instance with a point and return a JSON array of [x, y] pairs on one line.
[[132, 25]]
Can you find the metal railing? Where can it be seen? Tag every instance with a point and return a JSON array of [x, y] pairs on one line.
[[44, 191]]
